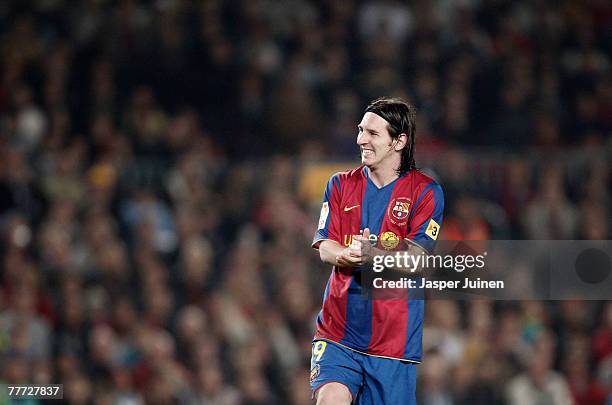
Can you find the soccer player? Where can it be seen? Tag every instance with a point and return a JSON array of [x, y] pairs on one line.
[[366, 350]]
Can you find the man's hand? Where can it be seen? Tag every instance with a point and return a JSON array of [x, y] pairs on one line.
[[358, 253]]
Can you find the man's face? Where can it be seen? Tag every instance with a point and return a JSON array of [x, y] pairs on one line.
[[374, 141]]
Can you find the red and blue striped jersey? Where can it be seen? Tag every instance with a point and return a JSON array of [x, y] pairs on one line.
[[409, 208]]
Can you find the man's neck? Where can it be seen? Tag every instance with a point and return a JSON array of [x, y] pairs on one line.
[[382, 176]]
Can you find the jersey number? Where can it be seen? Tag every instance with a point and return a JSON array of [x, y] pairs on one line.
[[433, 228], [318, 349]]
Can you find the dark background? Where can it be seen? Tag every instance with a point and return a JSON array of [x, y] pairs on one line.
[[154, 216]]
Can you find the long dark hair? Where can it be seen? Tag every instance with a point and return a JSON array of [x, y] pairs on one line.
[[401, 118]]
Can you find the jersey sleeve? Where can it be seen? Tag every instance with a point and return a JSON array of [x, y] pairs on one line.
[[426, 218], [328, 227]]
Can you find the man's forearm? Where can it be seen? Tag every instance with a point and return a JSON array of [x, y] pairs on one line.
[[329, 250]]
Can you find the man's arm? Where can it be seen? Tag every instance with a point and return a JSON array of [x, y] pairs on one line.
[[331, 252], [328, 229]]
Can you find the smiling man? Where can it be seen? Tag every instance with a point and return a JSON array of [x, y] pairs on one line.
[[366, 350]]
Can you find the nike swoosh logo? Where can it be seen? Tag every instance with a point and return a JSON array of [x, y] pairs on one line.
[[350, 208]]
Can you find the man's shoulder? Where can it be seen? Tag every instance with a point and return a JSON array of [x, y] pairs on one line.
[[420, 179], [349, 175]]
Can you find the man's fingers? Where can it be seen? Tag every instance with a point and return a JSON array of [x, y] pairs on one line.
[[356, 243], [345, 259], [355, 248], [354, 252], [362, 240], [351, 256], [343, 262]]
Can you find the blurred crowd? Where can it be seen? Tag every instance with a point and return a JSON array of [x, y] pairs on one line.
[[154, 245]]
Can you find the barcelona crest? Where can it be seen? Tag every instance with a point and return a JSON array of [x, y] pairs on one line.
[[399, 209]]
